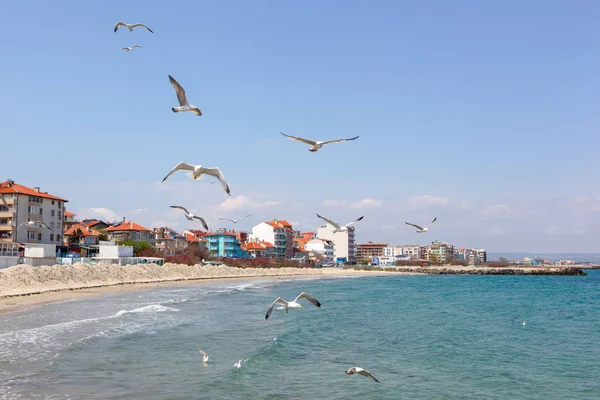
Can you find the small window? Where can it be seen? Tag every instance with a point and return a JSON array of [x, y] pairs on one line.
[[58, 238], [51, 236], [52, 213], [40, 236], [52, 202]]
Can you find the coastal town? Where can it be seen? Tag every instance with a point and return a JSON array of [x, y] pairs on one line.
[[74, 240]]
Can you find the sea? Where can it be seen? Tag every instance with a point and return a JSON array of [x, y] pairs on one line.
[[588, 258], [421, 336]]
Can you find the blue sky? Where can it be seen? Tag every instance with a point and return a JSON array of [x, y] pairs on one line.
[[484, 115]]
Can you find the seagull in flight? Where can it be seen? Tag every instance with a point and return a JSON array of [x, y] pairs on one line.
[[130, 27], [130, 48], [337, 226], [316, 145], [182, 98], [198, 170], [291, 304], [421, 229], [204, 355], [3, 201], [362, 371], [191, 216], [235, 221], [33, 224]]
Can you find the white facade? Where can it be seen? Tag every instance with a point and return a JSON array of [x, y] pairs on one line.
[[23, 208], [269, 233], [392, 251], [40, 250], [324, 247], [114, 252], [344, 246], [412, 251]]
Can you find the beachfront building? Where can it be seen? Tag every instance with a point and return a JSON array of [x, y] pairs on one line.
[[323, 247], [274, 234], [439, 252], [289, 235], [259, 249], [19, 204], [129, 230], [225, 243], [414, 251], [369, 252], [344, 247], [82, 235]]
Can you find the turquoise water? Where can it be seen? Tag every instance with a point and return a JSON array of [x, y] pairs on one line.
[[423, 337]]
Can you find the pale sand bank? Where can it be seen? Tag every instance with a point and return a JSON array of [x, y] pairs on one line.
[[64, 282]]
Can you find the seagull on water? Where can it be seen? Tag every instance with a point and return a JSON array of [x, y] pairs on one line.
[[235, 221], [338, 227], [316, 145], [238, 364], [130, 27], [130, 48], [420, 229], [291, 304], [34, 224], [198, 170], [361, 371], [204, 355], [191, 216], [182, 98]]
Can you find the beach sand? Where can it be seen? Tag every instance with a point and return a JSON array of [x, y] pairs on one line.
[[24, 286]]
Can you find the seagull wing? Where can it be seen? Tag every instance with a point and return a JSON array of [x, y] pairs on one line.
[[182, 208], [308, 297], [339, 140], [180, 166], [278, 300], [216, 172], [133, 47], [3, 201], [21, 224], [202, 220], [142, 25], [44, 225], [415, 225], [355, 221], [249, 215], [202, 352], [181, 97], [226, 219], [329, 221], [431, 222], [120, 23], [299, 139], [366, 373]]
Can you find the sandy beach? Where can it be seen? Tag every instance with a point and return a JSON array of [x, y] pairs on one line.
[[24, 285]]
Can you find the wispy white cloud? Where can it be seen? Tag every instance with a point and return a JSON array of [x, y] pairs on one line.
[[242, 202], [98, 213], [334, 203], [427, 201], [366, 203], [497, 231], [553, 230], [388, 227], [140, 210]]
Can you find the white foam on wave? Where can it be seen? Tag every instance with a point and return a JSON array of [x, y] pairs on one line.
[[147, 309]]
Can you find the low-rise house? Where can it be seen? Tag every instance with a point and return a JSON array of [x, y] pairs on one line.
[[129, 230], [324, 247]]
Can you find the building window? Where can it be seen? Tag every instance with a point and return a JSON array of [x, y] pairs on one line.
[[33, 210], [58, 238], [51, 226], [52, 202], [51, 236], [31, 235], [58, 225], [59, 204], [3, 208], [59, 215], [52, 212]]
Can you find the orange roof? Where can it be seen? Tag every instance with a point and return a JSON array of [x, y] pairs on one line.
[[69, 214], [267, 244], [254, 246], [84, 230], [20, 189], [191, 238], [126, 226], [280, 223], [300, 250]]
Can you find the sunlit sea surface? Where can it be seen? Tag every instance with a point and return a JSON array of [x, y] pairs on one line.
[[423, 337]]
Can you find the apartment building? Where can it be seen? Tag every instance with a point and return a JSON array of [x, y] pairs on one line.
[[440, 252], [344, 245], [367, 252], [289, 235], [323, 247], [20, 204], [225, 243], [274, 234]]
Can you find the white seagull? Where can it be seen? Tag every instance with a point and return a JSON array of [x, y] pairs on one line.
[[291, 304], [182, 98], [235, 221], [198, 170], [362, 371], [204, 355], [191, 216], [421, 229], [34, 223], [130, 27], [130, 48], [316, 145], [337, 226], [238, 364], [3, 201]]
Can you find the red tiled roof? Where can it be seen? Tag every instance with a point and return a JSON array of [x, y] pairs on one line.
[[20, 189], [69, 214], [191, 238], [126, 226], [297, 249], [85, 231], [255, 246]]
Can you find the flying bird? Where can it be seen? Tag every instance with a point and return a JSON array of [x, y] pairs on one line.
[[316, 145], [191, 216], [182, 98], [3, 201], [291, 304], [198, 170], [361, 371], [337, 226], [421, 229], [130, 48], [235, 221], [34, 223], [130, 27], [204, 355]]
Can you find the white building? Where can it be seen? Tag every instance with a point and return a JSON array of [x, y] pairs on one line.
[[22, 204], [413, 251], [275, 235], [344, 246], [324, 247], [392, 251]]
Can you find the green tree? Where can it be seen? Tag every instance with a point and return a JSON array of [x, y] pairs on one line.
[[76, 236], [137, 246]]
